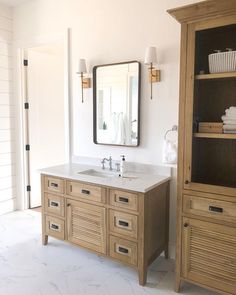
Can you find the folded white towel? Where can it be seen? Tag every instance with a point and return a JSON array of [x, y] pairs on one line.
[[230, 112], [230, 122], [229, 127], [232, 109], [228, 118], [230, 131]]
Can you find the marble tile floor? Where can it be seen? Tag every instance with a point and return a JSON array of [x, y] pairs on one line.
[[28, 268]]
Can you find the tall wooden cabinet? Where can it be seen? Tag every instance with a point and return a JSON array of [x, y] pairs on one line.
[[206, 225]]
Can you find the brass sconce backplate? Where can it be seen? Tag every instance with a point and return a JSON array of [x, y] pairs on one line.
[[86, 82], [154, 76]]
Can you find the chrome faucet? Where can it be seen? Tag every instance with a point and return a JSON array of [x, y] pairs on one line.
[[110, 163]]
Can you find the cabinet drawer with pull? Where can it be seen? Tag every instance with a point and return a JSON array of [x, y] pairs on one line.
[[123, 250], [85, 191], [209, 208], [124, 200], [54, 184], [54, 227], [54, 204], [123, 223]]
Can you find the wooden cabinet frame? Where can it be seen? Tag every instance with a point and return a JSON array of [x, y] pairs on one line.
[[196, 17]]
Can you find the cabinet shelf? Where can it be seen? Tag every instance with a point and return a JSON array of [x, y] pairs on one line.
[[216, 76], [215, 135]]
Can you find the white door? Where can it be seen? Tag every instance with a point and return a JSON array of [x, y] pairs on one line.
[[46, 113]]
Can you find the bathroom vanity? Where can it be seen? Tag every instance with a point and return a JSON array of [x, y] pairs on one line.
[[126, 219]]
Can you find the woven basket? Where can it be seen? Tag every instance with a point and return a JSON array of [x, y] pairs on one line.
[[222, 62]]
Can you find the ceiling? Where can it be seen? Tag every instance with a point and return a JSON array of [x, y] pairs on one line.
[[12, 2]]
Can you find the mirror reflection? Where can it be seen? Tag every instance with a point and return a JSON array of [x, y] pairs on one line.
[[116, 103]]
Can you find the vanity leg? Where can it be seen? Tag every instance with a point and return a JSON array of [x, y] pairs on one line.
[[177, 284], [44, 240], [142, 274]]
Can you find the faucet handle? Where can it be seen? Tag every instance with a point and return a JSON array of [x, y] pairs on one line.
[[103, 163]]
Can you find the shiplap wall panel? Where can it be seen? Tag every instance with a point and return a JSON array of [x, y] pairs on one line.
[[7, 115], [7, 147], [7, 159], [6, 183], [7, 206], [7, 111], [5, 36], [5, 49], [5, 86], [5, 24], [7, 171], [8, 194], [7, 135], [5, 61], [6, 123], [6, 74], [6, 99]]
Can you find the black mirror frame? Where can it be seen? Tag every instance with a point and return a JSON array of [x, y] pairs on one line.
[[95, 102]]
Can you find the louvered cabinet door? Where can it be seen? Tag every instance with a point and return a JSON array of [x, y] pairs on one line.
[[86, 225], [209, 254]]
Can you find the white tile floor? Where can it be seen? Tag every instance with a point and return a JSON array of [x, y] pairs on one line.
[[28, 268]]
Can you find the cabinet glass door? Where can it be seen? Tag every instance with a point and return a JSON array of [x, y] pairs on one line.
[[210, 152]]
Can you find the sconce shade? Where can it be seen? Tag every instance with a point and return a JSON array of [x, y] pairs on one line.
[[82, 66], [150, 55]]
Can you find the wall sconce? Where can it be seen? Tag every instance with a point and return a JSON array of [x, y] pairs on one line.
[[151, 59], [85, 82]]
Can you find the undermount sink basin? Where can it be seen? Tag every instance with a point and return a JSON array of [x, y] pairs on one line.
[[106, 174], [97, 173]]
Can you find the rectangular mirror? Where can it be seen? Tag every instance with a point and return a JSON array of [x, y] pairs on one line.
[[116, 95]]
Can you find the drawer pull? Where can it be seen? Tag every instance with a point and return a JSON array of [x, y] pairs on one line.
[[123, 250], [123, 200], [54, 204], [123, 223], [54, 226], [53, 184], [215, 209], [86, 192]]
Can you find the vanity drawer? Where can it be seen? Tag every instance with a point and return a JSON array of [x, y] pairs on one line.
[[54, 204], [84, 191], [212, 208], [54, 227], [54, 184], [123, 250], [123, 223], [125, 200]]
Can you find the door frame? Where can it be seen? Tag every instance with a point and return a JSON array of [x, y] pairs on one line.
[[23, 197]]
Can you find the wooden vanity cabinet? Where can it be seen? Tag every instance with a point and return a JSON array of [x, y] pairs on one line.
[[129, 227], [206, 207]]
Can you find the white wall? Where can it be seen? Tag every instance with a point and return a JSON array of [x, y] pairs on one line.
[[107, 31], [7, 115], [46, 113]]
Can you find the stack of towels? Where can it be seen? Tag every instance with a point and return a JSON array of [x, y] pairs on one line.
[[229, 120]]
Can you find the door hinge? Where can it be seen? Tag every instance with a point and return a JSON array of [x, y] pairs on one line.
[[27, 147], [28, 188], [26, 105], [25, 62]]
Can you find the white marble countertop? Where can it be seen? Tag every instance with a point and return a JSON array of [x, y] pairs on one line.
[[133, 180]]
